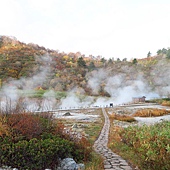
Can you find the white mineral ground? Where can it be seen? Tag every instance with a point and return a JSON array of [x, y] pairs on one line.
[[87, 116], [130, 108], [151, 120]]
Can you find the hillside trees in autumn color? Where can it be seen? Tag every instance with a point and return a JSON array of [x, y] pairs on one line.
[[62, 71]]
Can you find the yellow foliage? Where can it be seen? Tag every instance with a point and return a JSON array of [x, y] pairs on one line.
[[4, 130], [66, 57], [147, 62], [151, 112], [57, 75], [70, 64]]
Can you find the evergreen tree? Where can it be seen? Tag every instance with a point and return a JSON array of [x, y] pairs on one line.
[[159, 52], [168, 54], [91, 66], [118, 59], [149, 54], [164, 50], [110, 61], [103, 60], [81, 62], [125, 59], [134, 61]]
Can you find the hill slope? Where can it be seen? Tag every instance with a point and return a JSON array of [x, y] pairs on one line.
[[29, 66]]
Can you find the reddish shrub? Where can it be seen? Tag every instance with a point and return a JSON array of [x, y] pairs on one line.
[[25, 124]]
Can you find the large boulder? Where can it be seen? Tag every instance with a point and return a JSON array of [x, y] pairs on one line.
[[70, 164]]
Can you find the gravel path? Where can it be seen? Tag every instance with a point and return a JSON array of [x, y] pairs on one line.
[[112, 161]]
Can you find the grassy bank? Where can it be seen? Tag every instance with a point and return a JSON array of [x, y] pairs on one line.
[[147, 147]]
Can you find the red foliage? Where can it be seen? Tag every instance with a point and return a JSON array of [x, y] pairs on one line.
[[59, 129], [24, 124]]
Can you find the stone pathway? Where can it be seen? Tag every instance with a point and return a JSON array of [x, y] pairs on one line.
[[112, 161]]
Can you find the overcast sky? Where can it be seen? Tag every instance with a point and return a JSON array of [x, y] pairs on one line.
[[110, 28]]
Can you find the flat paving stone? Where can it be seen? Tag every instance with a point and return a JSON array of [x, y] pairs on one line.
[[126, 167], [107, 166]]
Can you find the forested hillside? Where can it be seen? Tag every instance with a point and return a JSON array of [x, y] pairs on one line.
[[29, 66]]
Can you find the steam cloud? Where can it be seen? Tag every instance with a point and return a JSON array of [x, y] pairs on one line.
[[121, 84], [11, 93]]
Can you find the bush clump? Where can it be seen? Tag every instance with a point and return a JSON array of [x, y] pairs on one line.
[[30, 141], [35, 153]]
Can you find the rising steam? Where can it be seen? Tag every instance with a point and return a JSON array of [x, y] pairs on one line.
[[122, 84]]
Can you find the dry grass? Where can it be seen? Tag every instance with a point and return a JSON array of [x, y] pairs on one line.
[[96, 162], [114, 134], [150, 112], [125, 118], [166, 103]]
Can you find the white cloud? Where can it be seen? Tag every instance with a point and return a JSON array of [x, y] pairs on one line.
[[100, 27], [9, 12]]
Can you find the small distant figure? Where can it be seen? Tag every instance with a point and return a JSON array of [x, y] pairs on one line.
[[111, 104]]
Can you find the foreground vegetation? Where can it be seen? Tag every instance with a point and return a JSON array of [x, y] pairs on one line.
[[147, 147], [29, 141]]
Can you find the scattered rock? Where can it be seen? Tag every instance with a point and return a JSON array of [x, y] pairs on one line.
[[81, 166], [124, 124], [7, 168], [83, 125], [70, 164], [67, 114], [120, 111], [75, 126]]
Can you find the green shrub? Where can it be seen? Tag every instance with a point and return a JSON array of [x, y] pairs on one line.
[[151, 144], [36, 154]]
